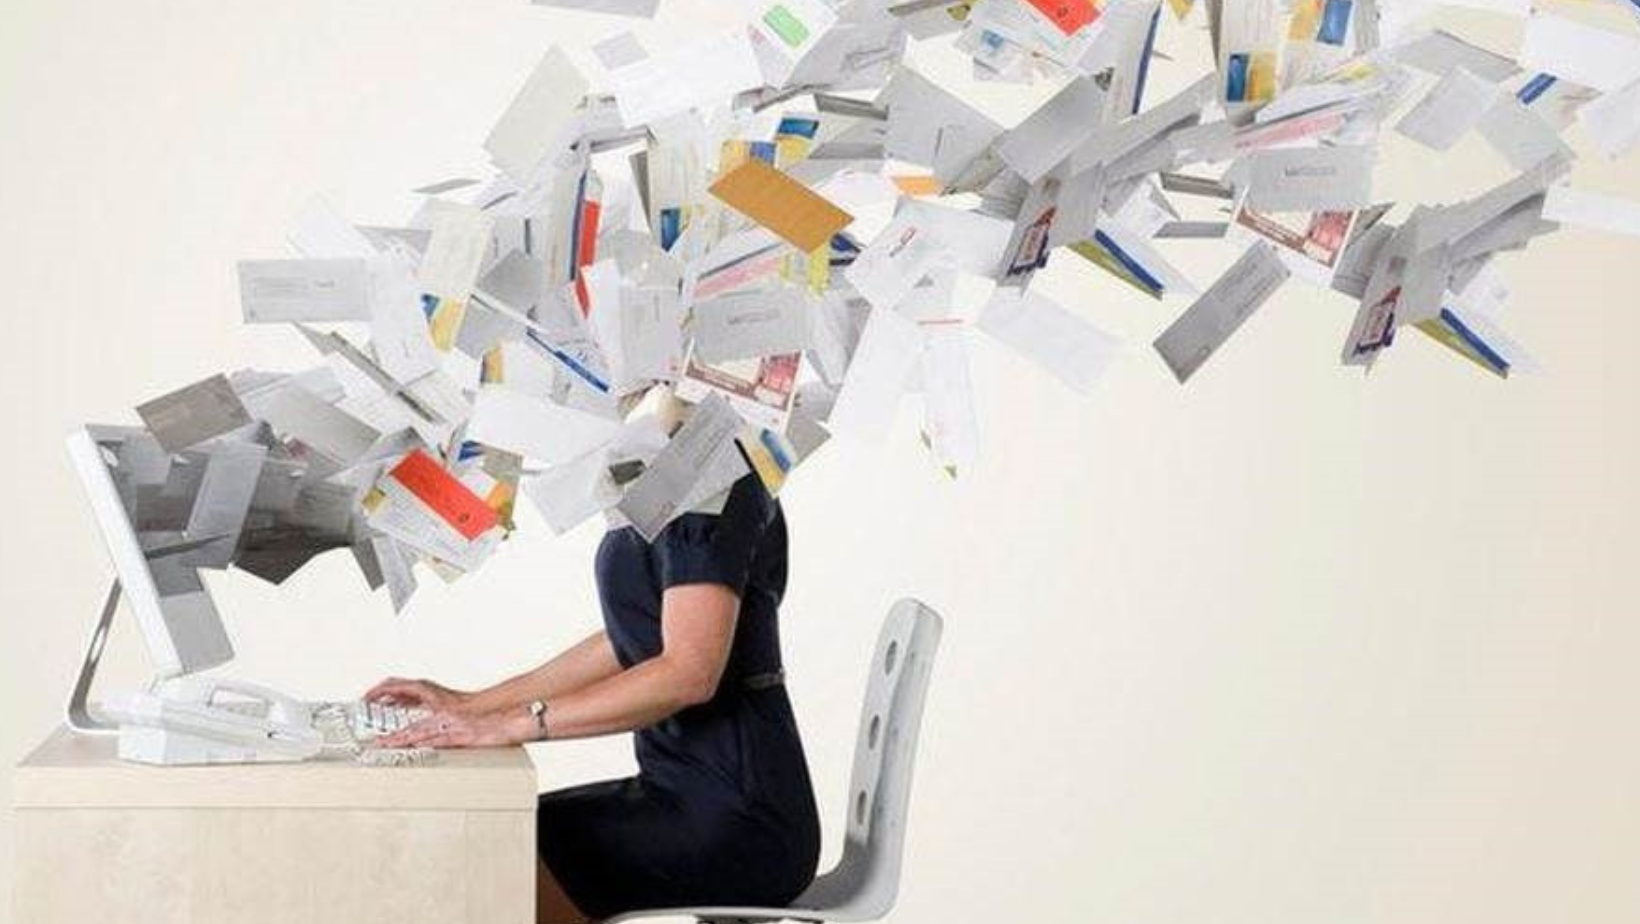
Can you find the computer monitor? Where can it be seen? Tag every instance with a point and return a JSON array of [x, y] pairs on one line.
[[180, 624]]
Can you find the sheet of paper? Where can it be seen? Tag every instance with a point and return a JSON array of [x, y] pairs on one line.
[[659, 494], [222, 502], [890, 347], [1523, 137], [1249, 42], [191, 415], [784, 31], [744, 325], [976, 239], [896, 260], [1592, 210], [1052, 132], [1310, 179], [277, 291], [296, 413], [1221, 311], [1454, 222], [697, 74], [399, 337], [642, 9], [1311, 243], [533, 428], [396, 570], [1046, 333], [1612, 122], [1440, 52], [760, 390], [783, 205], [429, 509], [461, 237], [949, 420], [1584, 54], [536, 122], [928, 125], [1450, 110]]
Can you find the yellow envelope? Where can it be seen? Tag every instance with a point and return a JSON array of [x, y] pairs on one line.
[[781, 204]]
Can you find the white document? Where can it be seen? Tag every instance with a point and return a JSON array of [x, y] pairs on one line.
[[455, 253], [232, 472], [949, 420], [1221, 311], [1521, 135], [886, 271], [889, 348], [651, 333], [1052, 132], [643, 9], [977, 240], [1612, 122], [1583, 54], [1043, 331], [1449, 110], [568, 495], [699, 74], [399, 338], [930, 126], [744, 325], [278, 291], [533, 428], [785, 31], [403, 516], [1310, 179], [661, 492], [537, 121], [1440, 52], [1592, 210], [296, 413], [396, 570]]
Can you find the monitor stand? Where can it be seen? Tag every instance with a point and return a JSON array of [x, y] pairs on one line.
[[80, 718]]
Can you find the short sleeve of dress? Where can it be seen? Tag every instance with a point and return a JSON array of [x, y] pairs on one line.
[[703, 548]]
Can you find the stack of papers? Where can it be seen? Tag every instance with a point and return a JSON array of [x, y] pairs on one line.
[[781, 225]]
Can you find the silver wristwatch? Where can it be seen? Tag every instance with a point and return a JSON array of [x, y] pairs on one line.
[[538, 709]]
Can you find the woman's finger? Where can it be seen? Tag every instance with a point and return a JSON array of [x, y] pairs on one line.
[[387, 688], [416, 732]]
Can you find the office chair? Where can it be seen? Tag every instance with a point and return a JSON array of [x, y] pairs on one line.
[[865, 882]]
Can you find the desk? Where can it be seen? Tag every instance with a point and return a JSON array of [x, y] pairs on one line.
[[449, 842]]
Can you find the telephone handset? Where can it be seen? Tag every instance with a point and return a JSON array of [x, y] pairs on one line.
[[202, 719]]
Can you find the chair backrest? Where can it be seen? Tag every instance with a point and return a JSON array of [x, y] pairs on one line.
[[866, 880]]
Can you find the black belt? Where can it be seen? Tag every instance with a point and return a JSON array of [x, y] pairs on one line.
[[764, 681]]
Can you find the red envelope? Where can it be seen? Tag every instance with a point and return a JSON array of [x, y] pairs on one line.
[[447, 497], [1068, 15]]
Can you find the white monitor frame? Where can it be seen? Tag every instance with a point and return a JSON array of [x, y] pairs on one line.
[[183, 633]]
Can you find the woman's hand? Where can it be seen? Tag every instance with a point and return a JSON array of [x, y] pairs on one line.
[[464, 730], [418, 694]]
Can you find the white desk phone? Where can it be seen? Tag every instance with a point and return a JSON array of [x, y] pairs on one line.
[[187, 717]]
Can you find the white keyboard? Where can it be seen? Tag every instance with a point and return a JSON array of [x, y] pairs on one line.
[[372, 720]]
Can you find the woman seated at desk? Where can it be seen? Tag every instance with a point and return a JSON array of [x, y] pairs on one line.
[[722, 811]]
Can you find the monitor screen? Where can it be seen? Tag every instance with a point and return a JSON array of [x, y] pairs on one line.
[[142, 498]]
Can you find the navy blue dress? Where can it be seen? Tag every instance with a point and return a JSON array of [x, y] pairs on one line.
[[722, 811]]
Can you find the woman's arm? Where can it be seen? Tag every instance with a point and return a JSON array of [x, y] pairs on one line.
[[587, 662], [697, 631]]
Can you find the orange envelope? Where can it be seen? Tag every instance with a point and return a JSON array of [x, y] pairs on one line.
[[781, 204], [451, 500]]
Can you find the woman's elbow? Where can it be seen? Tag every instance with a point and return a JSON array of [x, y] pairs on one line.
[[695, 686]]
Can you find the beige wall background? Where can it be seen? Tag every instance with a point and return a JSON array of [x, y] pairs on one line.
[[1286, 645]]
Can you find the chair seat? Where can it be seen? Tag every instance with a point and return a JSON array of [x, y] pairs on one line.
[[724, 915]]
